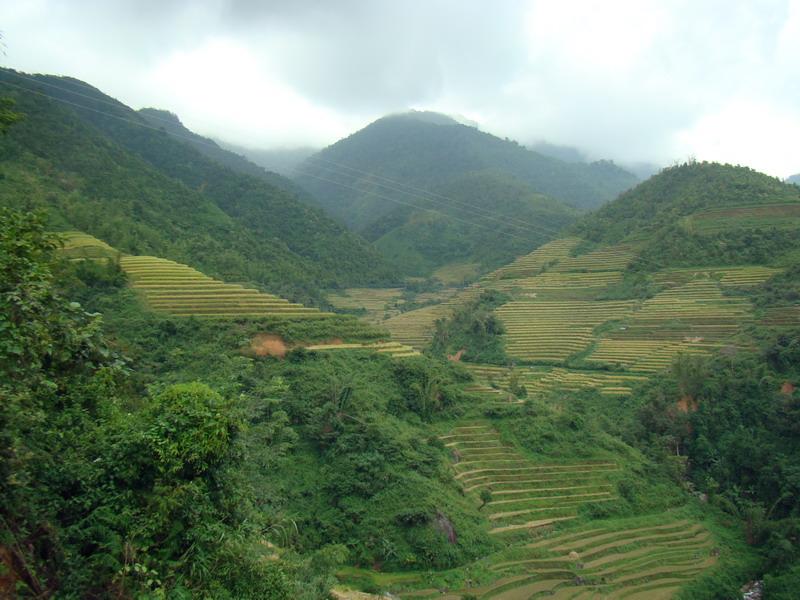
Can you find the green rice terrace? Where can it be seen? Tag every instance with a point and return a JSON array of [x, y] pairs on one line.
[[179, 290], [525, 494]]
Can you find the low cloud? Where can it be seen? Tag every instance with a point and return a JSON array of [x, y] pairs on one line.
[[627, 79]]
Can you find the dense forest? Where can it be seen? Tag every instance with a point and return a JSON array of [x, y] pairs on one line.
[[407, 178], [167, 198]]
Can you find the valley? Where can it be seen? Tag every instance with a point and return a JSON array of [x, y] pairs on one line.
[[432, 364]]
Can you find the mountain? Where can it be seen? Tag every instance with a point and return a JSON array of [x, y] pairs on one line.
[[98, 166], [795, 179], [568, 154], [519, 219], [414, 150], [702, 213], [277, 160], [409, 178]]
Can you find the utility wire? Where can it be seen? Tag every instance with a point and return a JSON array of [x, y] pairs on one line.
[[215, 146], [440, 199], [199, 140]]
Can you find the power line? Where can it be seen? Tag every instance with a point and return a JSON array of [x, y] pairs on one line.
[[413, 205], [215, 146], [503, 220], [412, 187], [200, 141]]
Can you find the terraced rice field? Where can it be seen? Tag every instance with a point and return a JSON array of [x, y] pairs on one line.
[[608, 384], [649, 356], [755, 215], [495, 379], [525, 494], [727, 276], [555, 285], [416, 327], [531, 264], [78, 245], [393, 349], [379, 303], [788, 316], [637, 562], [610, 258], [553, 331], [179, 290], [695, 310]]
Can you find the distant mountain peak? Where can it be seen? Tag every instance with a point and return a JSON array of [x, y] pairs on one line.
[[424, 116]]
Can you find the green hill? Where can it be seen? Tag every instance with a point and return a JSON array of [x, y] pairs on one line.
[[389, 181], [702, 214], [100, 167]]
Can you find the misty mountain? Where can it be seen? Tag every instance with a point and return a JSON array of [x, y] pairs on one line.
[[795, 179], [396, 178], [277, 160], [566, 153], [100, 167], [410, 149]]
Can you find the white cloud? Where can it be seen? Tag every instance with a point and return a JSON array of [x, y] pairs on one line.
[[626, 79]]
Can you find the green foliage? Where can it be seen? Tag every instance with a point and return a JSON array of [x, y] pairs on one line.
[[474, 329], [742, 441], [657, 213], [422, 240], [474, 197], [106, 493], [110, 174]]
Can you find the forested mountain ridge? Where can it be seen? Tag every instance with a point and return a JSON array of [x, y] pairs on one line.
[[794, 179], [394, 178], [99, 167], [171, 124], [416, 151]]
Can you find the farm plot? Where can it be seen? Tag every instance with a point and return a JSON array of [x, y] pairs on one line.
[[601, 562], [416, 327], [533, 263], [179, 290], [608, 384], [540, 379], [649, 356], [379, 303], [784, 316], [393, 349], [553, 331], [727, 276], [552, 285], [755, 215], [611, 258], [524, 494], [78, 245], [697, 312]]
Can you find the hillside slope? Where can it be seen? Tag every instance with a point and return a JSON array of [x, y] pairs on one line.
[[98, 167], [403, 173], [702, 214]]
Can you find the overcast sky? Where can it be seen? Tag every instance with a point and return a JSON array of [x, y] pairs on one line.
[[633, 80]]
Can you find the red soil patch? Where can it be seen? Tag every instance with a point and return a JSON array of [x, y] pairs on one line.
[[788, 388], [457, 356], [268, 344], [687, 404]]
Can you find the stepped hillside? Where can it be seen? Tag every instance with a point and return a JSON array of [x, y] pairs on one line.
[[702, 214], [581, 313], [430, 191], [99, 167]]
